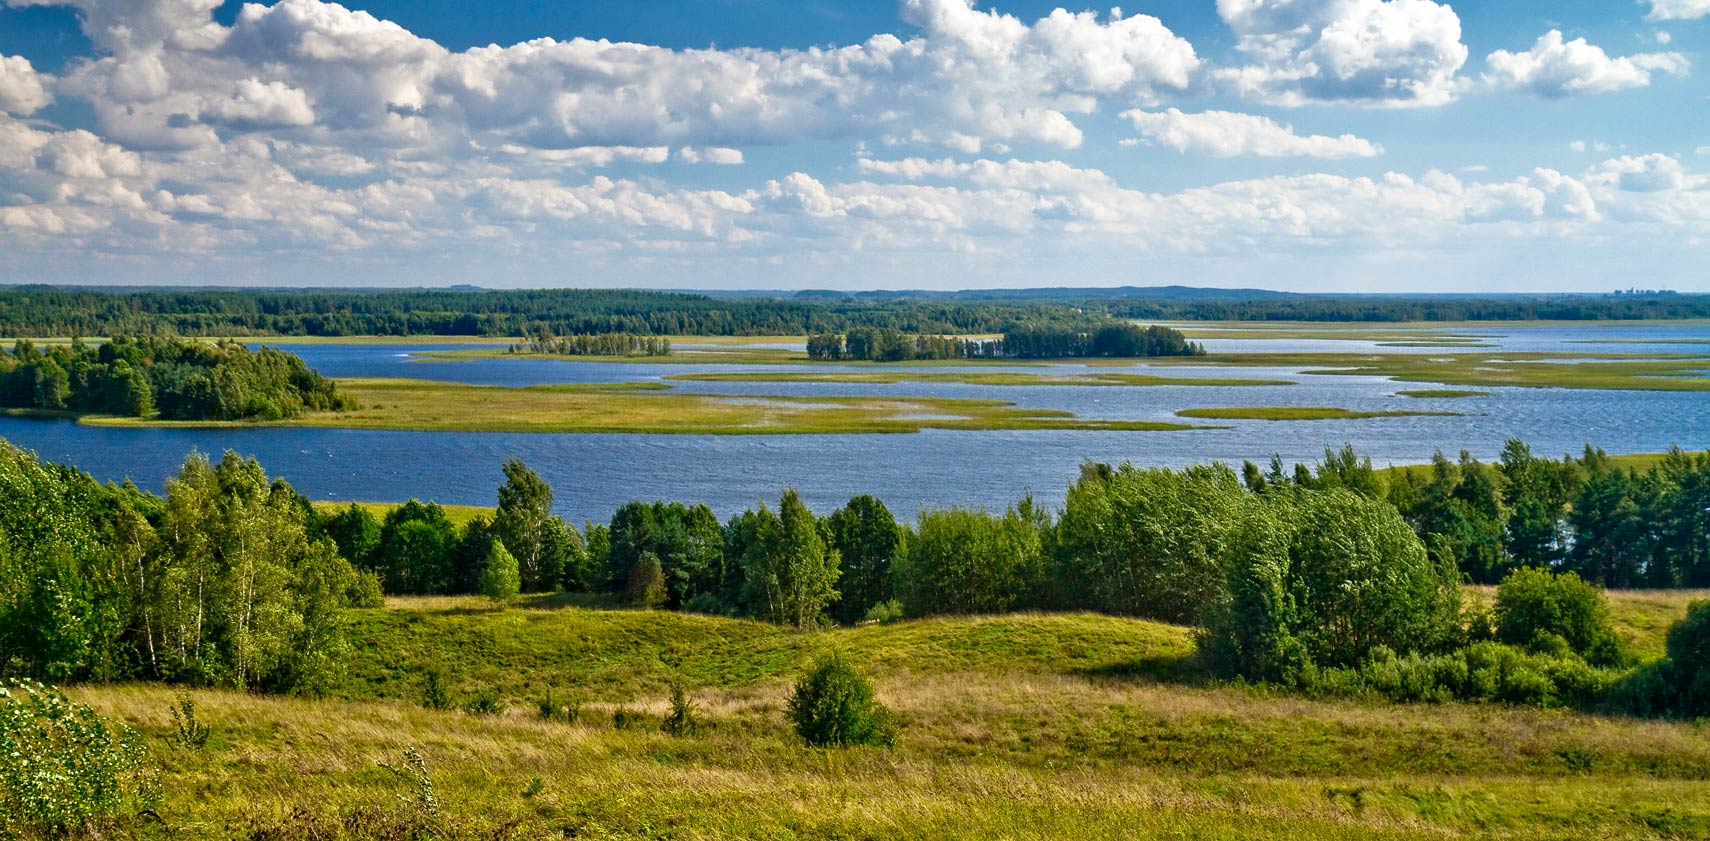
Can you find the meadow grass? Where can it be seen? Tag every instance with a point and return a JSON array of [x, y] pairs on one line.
[[1024, 726], [458, 515], [1296, 413], [422, 405]]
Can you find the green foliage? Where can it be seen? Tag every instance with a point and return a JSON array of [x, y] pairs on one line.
[[646, 585], [833, 706], [435, 694], [182, 380], [542, 543], [500, 581], [1484, 671], [1325, 578], [884, 613], [64, 771], [1148, 542], [964, 561], [558, 710], [187, 732], [687, 540], [1032, 341], [1540, 611], [789, 574], [417, 550], [867, 540], [681, 720], [624, 718], [484, 701]]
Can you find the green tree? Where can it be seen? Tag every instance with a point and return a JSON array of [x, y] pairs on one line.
[[1148, 542], [791, 576], [525, 524], [500, 577], [867, 540], [964, 561]]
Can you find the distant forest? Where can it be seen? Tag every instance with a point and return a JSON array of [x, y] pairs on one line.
[[48, 311]]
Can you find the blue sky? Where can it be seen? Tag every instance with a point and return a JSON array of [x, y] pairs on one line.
[[1320, 145]]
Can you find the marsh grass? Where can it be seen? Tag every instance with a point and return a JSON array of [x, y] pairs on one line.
[[986, 378], [1298, 413], [652, 408]]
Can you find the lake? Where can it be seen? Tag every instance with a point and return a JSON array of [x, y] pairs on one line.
[[593, 474]]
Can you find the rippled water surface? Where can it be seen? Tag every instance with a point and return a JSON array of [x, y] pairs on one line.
[[593, 474]]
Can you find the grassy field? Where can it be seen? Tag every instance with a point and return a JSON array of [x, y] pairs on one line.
[[1296, 413], [1029, 726], [458, 515], [424, 405], [992, 378]]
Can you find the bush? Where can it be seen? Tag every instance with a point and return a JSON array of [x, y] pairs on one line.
[[1689, 651], [500, 580], [484, 701], [187, 732], [833, 706], [1544, 612], [63, 769], [566, 712], [681, 720], [884, 613], [435, 696]]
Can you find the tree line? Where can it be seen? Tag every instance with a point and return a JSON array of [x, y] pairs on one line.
[[51, 311], [595, 344], [1311, 578], [170, 378], [1116, 340]]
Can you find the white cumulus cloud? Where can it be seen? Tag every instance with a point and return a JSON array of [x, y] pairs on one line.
[[1556, 68], [22, 90], [1367, 52], [1226, 134], [1678, 9]]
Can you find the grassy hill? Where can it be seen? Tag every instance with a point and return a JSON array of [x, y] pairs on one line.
[[1031, 726]]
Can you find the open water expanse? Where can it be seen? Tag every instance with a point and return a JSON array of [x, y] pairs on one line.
[[593, 474]]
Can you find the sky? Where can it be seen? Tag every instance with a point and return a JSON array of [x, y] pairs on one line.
[[1310, 145]]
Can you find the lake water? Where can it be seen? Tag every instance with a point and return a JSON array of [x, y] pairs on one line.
[[593, 474]]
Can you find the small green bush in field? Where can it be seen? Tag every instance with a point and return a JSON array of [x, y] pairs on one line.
[[484, 701], [555, 709], [681, 720], [187, 732], [833, 706], [435, 696], [63, 769]]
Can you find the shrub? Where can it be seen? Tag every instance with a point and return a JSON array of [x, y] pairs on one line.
[[624, 718], [63, 769], [681, 720], [1689, 651], [566, 712], [187, 732], [833, 706], [884, 613], [435, 696], [500, 580], [1543, 612], [484, 701]]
